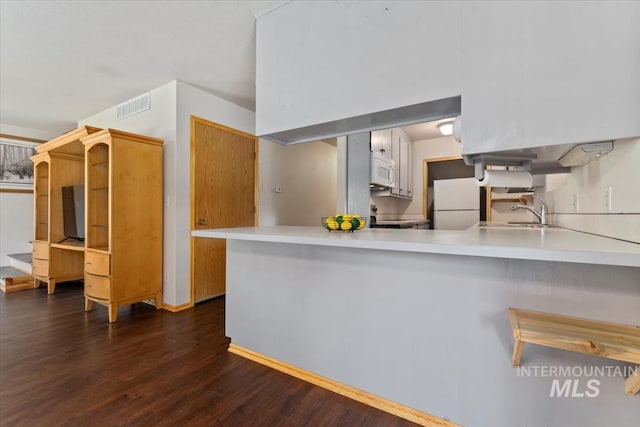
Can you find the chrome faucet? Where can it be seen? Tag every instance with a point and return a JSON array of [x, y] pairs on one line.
[[542, 215]]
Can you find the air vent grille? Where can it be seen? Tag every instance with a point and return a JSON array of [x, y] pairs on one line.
[[133, 106]]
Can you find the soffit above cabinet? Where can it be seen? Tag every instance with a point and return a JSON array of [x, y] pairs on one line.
[[319, 62], [417, 113]]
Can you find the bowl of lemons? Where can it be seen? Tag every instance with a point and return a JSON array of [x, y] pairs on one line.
[[344, 222]]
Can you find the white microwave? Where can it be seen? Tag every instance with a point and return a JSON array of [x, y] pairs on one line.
[[381, 170]]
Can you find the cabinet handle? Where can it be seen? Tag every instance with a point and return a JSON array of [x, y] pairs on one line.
[[382, 150], [202, 222]]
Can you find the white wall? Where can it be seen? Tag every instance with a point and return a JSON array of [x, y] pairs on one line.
[[270, 169], [159, 122], [169, 118], [12, 130], [16, 209], [16, 224], [307, 174], [343, 59], [618, 170], [392, 208]]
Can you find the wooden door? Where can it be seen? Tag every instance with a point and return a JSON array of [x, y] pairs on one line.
[[223, 194]]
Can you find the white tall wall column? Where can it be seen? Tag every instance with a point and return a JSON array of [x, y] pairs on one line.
[[358, 175], [353, 58]]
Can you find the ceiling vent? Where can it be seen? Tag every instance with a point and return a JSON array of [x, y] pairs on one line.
[[133, 106]]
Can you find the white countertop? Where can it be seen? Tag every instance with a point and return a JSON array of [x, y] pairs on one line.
[[544, 244]]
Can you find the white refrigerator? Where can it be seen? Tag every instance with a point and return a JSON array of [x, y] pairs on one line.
[[456, 203]]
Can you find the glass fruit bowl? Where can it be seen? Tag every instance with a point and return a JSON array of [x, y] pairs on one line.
[[344, 222]]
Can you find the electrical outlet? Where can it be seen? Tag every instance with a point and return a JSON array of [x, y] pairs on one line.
[[278, 188], [608, 195], [576, 203]]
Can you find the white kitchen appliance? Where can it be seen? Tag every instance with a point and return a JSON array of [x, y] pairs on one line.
[[456, 203], [381, 171]]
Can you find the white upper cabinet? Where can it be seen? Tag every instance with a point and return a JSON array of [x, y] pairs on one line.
[[402, 156], [546, 73], [404, 165], [381, 142], [395, 155], [410, 177]]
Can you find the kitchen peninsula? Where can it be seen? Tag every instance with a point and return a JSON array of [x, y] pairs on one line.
[[421, 318]]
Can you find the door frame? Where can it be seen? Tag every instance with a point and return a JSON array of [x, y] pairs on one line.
[[425, 188], [192, 214], [425, 180]]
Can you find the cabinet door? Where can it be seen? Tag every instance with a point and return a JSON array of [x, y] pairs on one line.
[[395, 157], [404, 165], [410, 177], [381, 142]]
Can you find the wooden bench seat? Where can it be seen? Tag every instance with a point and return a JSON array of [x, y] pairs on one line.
[[610, 340]]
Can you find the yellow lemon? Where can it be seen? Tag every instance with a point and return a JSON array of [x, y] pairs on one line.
[[356, 216], [331, 223], [346, 225], [362, 224], [347, 217]]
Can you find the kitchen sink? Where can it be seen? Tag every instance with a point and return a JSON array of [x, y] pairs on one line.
[[515, 225]]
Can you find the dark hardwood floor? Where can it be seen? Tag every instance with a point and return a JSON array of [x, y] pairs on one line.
[[60, 366]]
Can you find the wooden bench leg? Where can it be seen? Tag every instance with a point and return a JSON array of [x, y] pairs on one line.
[[88, 304], [632, 384], [517, 352]]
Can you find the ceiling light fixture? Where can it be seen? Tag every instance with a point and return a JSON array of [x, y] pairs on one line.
[[446, 128]]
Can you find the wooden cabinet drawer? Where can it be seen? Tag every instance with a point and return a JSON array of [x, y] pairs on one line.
[[97, 286], [97, 263], [41, 250], [40, 267]]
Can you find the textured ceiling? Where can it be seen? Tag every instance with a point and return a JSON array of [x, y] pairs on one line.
[[62, 61]]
